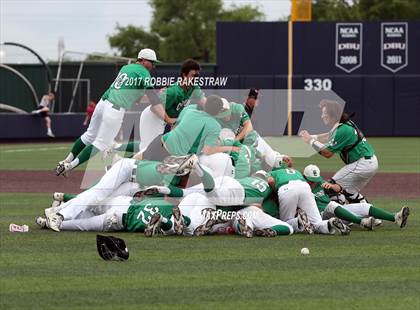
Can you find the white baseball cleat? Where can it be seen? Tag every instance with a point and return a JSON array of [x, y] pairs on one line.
[[402, 216], [178, 165], [377, 222], [336, 225], [53, 209], [62, 168], [50, 134], [54, 221], [303, 222], [41, 221], [367, 222], [112, 223], [57, 196], [153, 226]]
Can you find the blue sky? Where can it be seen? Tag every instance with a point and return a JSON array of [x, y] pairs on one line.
[[84, 25]]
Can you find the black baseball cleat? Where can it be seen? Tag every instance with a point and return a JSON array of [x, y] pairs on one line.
[[265, 232], [148, 191], [243, 228], [335, 224], [153, 226], [178, 221], [303, 222]]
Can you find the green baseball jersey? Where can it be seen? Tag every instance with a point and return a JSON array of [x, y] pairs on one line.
[[344, 136], [237, 118], [243, 163], [147, 175], [256, 189], [184, 111], [129, 86], [175, 98], [140, 213], [194, 130], [241, 159], [321, 197], [270, 207], [282, 176]]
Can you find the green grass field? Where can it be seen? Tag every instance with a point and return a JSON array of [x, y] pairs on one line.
[[372, 270]]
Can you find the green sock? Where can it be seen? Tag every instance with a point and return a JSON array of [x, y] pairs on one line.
[[87, 153], [381, 214], [347, 215], [166, 226], [77, 147], [175, 191], [130, 147], [206, 178], [68, 197], [187, 220], [281, 229]]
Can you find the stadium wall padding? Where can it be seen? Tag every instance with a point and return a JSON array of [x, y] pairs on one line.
[[64, 125], [386, 103]]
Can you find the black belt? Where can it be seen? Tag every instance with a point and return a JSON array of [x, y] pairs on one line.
[[367, 157], [115, 107], [133, 177]]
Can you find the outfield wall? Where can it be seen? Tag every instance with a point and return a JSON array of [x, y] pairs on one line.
[[373, 66]]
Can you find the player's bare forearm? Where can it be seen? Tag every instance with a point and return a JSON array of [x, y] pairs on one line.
[[331, 186], [323, 137], [247, 128], [160, 112], [138, 156], [326, 153], [208, 150]]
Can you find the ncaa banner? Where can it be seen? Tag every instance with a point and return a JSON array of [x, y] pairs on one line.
[[394, 46], [348, 46]]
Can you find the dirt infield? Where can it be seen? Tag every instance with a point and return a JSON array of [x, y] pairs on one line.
[[392, 185]]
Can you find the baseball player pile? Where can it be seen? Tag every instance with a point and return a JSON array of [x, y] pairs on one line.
[[200, 168]]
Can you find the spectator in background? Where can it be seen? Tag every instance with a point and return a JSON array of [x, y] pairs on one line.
[[251, 102], [89, 112], [43, 110]]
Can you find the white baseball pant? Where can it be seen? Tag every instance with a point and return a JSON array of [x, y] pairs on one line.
[[219, 163], [104, 126], [120, 173], [114, 207], [150, 127], [258, 219], [192, 206], [354, 177], [298, 194]]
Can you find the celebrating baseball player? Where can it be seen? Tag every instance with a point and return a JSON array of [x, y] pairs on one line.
[[172, 100], [347, 140], [127, 88], [362, 213]]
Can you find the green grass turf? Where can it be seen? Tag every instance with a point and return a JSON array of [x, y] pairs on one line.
[[394, 154], [366, 270]]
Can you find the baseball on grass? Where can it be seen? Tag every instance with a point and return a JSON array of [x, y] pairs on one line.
[[304, 251]]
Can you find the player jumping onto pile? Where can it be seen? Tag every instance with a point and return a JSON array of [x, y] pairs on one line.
[[128, 88]]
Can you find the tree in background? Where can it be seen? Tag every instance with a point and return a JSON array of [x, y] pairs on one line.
[[352, 10], [181, 29]]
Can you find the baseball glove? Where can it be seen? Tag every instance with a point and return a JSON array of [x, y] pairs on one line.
[[111, 248]]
